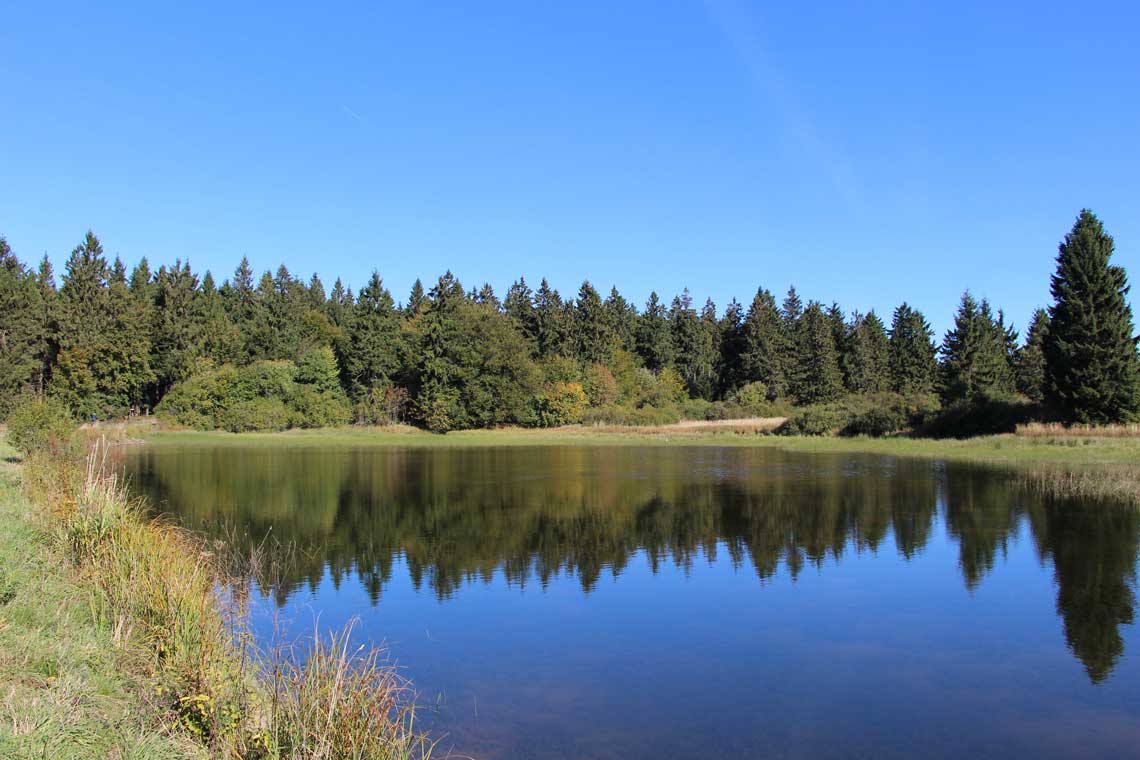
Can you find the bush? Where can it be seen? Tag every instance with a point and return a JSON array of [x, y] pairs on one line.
[[628, 416], [40, 424], [874, 414], [985, 414], [562, 404], [818, 419], [876, 422], [268, 395], [600, 385]]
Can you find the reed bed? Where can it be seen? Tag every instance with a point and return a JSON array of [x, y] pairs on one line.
[[161, 591]]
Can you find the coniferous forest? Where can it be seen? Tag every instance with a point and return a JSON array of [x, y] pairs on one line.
[[278, 351]]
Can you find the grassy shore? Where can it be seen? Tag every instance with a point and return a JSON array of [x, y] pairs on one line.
[[115, 641], [1080, 463], [66, 690]]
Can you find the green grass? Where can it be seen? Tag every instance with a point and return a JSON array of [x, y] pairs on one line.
[[1063, 465], [65, 690], [115, 644]]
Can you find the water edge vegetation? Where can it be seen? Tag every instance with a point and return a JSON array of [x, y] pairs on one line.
[[156, 660]]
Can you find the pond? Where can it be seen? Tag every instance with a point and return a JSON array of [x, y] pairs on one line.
[[693, 602]]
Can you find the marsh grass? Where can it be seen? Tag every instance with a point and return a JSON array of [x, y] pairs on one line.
[[159, 593]]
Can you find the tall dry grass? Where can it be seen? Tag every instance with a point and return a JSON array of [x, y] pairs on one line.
[[1058, 430], [160, 590]]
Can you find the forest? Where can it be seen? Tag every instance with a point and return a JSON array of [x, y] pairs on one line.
[[276, 351]]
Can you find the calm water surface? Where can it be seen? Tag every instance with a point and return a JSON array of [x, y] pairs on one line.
[[661, 602]]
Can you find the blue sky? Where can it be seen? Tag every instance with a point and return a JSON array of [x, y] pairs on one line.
[[866, 152]]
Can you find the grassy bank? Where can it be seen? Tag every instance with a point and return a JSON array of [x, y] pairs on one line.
[[1082, 463], [66, 689], [117, 643]]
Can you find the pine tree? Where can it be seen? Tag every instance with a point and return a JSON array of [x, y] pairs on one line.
[[867, 362], [764, 345], [1091, 360], [417, 301], [912, 352], [1031, 358], [820, 379]]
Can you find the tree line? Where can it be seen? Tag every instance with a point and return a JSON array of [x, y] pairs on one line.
[[279, 351]]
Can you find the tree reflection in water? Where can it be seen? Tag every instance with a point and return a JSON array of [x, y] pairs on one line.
[[460, 515]]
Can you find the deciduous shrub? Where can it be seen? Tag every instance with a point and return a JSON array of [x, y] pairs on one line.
[[562, 404], [40, 424], [268, 395]]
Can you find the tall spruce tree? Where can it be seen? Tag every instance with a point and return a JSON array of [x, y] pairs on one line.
[[1090, 350], [819, 377], [913, 365], [731, 340], [654, 336], [975, 357], [553, 324], [1030, 368], [867, 361], [592, 336], [696, 355], [764, 359], [621, 318], [21, 329], [374, 340]]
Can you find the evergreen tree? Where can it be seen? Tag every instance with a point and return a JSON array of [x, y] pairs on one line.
[[764, 355], [819, 376], [374, 351], [731, 341], [695, 343], [47, 350], [553, 326], [220, 339], [594, 341], [791, 313], [417, 301], [486, 295], [839, 334], [315, 292], [867, 361], [176, 326], [912, 352], [654, 336], [519, 308], [621, 320], [21, 329], [1031, 358], [1091, 361], [975, 358]]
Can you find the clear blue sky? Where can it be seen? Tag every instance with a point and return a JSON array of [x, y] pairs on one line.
[[867, 152]]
